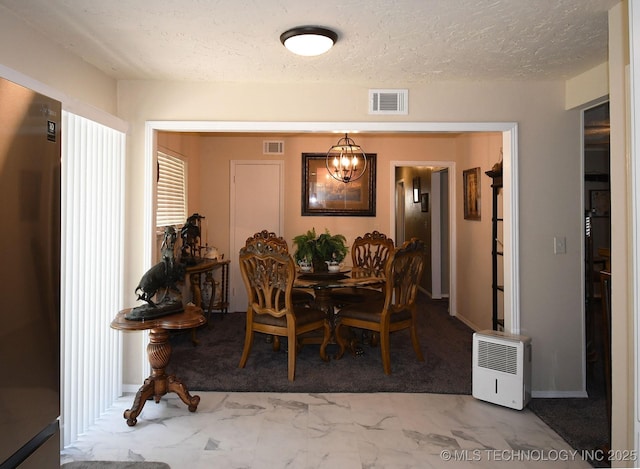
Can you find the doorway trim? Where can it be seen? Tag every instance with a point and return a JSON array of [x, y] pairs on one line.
[[583, 248], [509, 132], [399, 207]]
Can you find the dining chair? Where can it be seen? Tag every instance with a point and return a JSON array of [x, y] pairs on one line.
[[397, 311], [268, 274], [300, 295], [369, 253]]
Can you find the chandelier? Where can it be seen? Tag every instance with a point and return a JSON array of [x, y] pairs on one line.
[[346, 161]]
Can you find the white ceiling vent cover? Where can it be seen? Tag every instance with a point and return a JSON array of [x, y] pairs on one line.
[[273, 147], [389, 102]]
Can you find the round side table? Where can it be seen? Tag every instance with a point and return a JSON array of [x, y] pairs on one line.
[[159, 353]]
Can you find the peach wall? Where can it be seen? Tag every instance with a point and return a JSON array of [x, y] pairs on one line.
[[474, 237], [215, 152], [417, 223]]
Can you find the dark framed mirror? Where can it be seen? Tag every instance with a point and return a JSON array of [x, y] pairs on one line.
[[323, 195]]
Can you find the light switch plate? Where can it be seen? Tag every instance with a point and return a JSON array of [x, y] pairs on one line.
[[559, 245]]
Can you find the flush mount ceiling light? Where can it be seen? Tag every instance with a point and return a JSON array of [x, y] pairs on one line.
[[309, 40]]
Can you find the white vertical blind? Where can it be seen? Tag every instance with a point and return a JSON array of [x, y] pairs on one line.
[[171, 194], [92, 253]]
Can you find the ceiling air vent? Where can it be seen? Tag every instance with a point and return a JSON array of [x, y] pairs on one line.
[[388, 101], [273, 147]]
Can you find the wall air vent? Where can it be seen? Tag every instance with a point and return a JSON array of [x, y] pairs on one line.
[[273, 147], [389, 102]]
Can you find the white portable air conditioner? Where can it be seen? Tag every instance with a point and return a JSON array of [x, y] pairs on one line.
[[502, 368]]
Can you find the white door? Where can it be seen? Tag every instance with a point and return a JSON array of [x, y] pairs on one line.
[[257, 204]]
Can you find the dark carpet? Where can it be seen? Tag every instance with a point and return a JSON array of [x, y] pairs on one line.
[[213, 364], [446, 344], [583, 422]]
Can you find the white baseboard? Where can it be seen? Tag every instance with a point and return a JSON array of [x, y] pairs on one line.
[[558, 394], [133, 389], [130, 388], [443, 296], [467, 322], [535, 394]]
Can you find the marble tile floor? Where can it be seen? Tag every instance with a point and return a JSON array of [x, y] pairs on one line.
[[272, 430]]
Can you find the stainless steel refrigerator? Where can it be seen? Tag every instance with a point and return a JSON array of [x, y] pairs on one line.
[[29, 278]]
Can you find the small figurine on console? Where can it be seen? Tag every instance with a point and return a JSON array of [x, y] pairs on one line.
[[190, 234], [164, 275]]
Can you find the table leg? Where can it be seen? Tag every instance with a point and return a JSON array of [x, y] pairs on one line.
[[196, 298], [211, 281], [196, 292], [224, 289], [323, 301], [159, 383]]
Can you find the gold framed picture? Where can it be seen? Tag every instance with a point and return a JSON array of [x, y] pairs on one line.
[[471, 187], [323, 195], [424, 202]]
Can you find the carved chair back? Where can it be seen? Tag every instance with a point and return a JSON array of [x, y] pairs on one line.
[[403, 273], [268, 276], [371, 251], [277, 242]]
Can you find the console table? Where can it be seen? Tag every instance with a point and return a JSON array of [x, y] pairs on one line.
[[197, 280], [159, 353]]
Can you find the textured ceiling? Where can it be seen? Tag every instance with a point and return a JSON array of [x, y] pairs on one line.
[[379, 41]]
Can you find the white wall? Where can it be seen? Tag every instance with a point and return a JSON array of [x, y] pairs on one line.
[[22, 49], [549, 161], [622, 356]]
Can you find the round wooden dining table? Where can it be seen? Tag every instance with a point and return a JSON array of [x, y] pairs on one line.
[[323, 283]]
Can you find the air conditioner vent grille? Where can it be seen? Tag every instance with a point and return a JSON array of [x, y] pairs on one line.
[[273, 147], [498, 357], [388, 101]]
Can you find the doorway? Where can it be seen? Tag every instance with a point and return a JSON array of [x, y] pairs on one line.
[[426, 219], [250, 214], [510, 165], [597, 253], [441, 227]]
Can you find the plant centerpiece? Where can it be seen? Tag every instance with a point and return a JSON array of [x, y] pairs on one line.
[[320, 250]]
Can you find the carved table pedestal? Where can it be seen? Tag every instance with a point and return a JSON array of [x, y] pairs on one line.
[[159, 353]]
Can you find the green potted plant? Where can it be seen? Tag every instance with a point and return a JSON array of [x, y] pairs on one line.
[[318, 250]]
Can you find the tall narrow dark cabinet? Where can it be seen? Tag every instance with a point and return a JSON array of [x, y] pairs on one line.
[[497, 252]]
